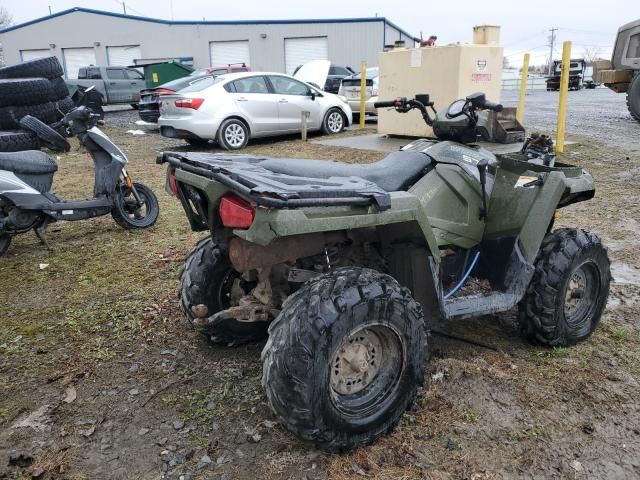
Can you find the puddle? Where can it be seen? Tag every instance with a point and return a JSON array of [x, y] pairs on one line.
[[625, 274]]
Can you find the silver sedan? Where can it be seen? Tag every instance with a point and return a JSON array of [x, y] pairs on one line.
[[232, 108]]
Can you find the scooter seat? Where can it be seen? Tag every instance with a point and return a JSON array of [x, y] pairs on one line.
[[31, 162], [397, 171]]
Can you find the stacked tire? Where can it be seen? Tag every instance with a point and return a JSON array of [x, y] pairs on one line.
[[31, 93]]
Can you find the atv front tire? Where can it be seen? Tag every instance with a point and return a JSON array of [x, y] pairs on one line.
[[568, 291], [345, 358], [206, 286]]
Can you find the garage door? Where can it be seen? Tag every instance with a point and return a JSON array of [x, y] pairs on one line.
[[27, 55], [225, 53], [76, 58], [298, 51], [123, 56]]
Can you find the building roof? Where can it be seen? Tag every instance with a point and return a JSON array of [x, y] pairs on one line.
[[204, 22]]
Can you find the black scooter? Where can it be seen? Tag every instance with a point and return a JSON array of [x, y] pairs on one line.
[[27, 203]]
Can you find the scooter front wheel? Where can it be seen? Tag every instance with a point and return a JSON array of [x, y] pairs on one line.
[[5, 241], [132, 214]]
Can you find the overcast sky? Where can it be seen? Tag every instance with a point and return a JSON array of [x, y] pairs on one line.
[[588, 23]]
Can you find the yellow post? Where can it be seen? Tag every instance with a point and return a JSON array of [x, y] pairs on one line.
[[523, 87], [363, 92], [562, 102]]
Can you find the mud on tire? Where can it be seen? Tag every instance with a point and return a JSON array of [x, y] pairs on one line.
[[569, 289], [205, 282], [308, 372]]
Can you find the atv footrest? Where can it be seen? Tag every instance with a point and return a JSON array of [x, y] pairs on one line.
[[479, 304], [241, 174]]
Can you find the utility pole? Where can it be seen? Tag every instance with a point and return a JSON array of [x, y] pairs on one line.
[[552, 41], [124, 8], [49, 9]]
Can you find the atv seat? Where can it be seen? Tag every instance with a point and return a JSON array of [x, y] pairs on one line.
[[30, 161], [397, 171], [33, 167]]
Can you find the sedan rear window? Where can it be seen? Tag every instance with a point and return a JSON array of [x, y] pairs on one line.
[[202, 83]]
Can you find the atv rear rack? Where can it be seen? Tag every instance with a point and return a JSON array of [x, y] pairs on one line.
[[243, 175]]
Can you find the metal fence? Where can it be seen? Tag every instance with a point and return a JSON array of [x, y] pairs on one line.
[[533, 83]]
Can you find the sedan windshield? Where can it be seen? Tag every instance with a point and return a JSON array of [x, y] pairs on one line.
[[371, 73]]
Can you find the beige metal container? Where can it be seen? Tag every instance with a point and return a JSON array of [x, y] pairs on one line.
[[486, 35], [446, 73]]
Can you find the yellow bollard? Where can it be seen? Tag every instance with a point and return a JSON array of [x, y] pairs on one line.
[[562, 102], [363, 92], [523, 87]]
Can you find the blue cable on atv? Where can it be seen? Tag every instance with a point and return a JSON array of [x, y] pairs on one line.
[[464, 277]]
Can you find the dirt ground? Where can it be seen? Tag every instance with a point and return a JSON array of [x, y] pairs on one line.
[[101, 378]]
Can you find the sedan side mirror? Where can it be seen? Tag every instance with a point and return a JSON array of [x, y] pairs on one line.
[[312, 94]]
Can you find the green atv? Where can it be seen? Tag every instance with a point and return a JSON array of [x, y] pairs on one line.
[[342, 265]]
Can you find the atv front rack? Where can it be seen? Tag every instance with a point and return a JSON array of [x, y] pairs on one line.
[[244, 175]]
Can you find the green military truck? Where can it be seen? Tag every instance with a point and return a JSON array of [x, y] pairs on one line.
[[622, 73]]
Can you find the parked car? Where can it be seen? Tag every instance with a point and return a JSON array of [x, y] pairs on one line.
[[577, 68], [350, 89], [116, 84], [232, 108], [149, 105], [222, 69], [334, 76]]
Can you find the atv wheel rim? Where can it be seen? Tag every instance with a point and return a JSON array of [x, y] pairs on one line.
[[334, 122], [234, 135], [365, 368], [581, 294]]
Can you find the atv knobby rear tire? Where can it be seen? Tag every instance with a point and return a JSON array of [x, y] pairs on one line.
[[48, 67], [633, 98], [352, 316], [569, 289], [18, 141], [205, 282]]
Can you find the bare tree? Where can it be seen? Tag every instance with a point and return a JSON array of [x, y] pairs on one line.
[[6, 18], [590, 54]]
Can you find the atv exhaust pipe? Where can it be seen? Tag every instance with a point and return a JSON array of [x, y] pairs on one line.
[[247, 256]]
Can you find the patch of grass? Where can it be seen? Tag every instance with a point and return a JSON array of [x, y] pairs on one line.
[[470, 416], [555, 352], [620, 334]]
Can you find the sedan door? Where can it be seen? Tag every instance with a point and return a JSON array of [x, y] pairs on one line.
[[254, 99], [294, 97]]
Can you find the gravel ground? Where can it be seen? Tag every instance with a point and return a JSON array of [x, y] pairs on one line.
[[599, 114]]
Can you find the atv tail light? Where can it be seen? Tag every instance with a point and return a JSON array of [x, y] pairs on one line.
[[236, 212], [173, 185], [193, 103]]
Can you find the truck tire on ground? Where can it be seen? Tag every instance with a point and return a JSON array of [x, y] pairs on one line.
[[18, 141], [64, 105], [207, 281], [10, 116], [47, 135], [48, 67], [25, 91], [568, 292], [59, 88], [345, 358], [633, 98]]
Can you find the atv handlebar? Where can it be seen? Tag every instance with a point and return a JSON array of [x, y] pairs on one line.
[[386, 104], [496, 107]]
